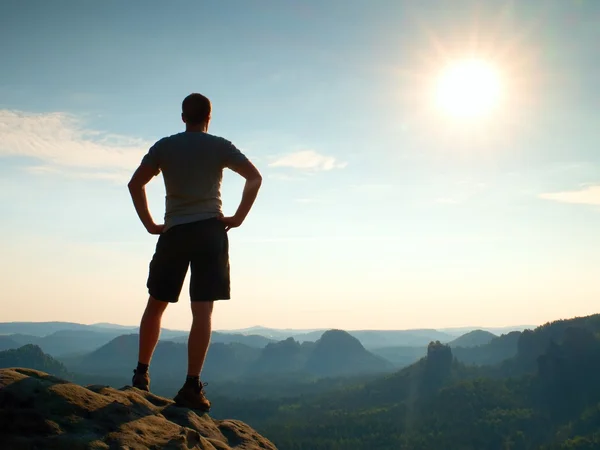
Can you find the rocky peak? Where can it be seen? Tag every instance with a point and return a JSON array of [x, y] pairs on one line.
[[38, 410]]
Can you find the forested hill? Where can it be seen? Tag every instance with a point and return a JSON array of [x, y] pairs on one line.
[[31, 356], [546, 397]]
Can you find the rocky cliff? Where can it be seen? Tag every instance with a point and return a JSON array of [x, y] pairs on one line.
[[39, 411]]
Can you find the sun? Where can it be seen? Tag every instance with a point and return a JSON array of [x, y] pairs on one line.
[[468, 89]]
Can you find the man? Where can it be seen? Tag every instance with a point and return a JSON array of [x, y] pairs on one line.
[[194, 234]]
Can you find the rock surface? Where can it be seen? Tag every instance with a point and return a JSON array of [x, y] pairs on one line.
[[39, 411]]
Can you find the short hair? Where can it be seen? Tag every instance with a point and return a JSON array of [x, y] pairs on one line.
[[196, 109]]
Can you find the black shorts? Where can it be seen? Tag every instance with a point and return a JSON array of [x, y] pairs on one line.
[[201, 245]]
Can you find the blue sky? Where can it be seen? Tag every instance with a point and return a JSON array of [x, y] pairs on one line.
[[377, 210]]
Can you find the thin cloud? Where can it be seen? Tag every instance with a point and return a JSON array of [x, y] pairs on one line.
[[61, 144], [283, 177], [116, 176], [308, 160], [589, 195]]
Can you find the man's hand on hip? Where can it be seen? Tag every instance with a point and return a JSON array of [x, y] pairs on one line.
[[155, 229], [231, 222]]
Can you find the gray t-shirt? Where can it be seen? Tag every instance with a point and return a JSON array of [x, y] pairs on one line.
[[192, 164]]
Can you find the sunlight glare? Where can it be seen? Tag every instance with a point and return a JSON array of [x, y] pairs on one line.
[[468, 89]]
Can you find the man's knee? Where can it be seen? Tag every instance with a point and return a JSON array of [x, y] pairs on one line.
[[202, 309], [155, 307]]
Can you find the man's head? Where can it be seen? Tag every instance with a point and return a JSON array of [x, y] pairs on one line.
[[195, 110]]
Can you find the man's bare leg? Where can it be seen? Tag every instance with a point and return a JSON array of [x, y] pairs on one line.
[[149, 333], [199, 338], [150, 329], [191, 395]]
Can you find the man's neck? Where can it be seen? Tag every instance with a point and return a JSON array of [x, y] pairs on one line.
[[201, 128]]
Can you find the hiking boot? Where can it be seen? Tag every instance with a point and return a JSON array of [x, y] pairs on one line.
[[141, 380], [192, 396]]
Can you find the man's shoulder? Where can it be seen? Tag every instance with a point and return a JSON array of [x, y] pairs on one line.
[[184, 137], [170, 138], [217, 139], [163, 141]]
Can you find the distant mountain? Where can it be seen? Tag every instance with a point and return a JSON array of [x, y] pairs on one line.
[[282, 357], [476, 347], [401, 356], [276, 334], [66, 342], [254, 336], [43, 329], [310, 336], [72, 340], [497, 350], [473, 339], [456, 332], [468, 351], [39, 328], [229, 361], [32, 357], [114, 326], [119, 357], [6, 343], [75, 341], [373, 339], [24, 339], [251, 340], [337, 353]]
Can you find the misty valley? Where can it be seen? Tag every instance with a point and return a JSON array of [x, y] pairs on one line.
[[331, 389]]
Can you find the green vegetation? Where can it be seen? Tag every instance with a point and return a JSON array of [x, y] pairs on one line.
[[536, 389], [546, 397], [32, 357]]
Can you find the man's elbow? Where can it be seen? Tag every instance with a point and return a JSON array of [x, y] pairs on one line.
[[134, 186], [256, 179]]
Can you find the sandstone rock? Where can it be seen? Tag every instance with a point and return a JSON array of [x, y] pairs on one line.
[[39, 411]]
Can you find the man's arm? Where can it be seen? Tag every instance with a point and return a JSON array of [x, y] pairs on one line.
[[253, 182], [137, 189]]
